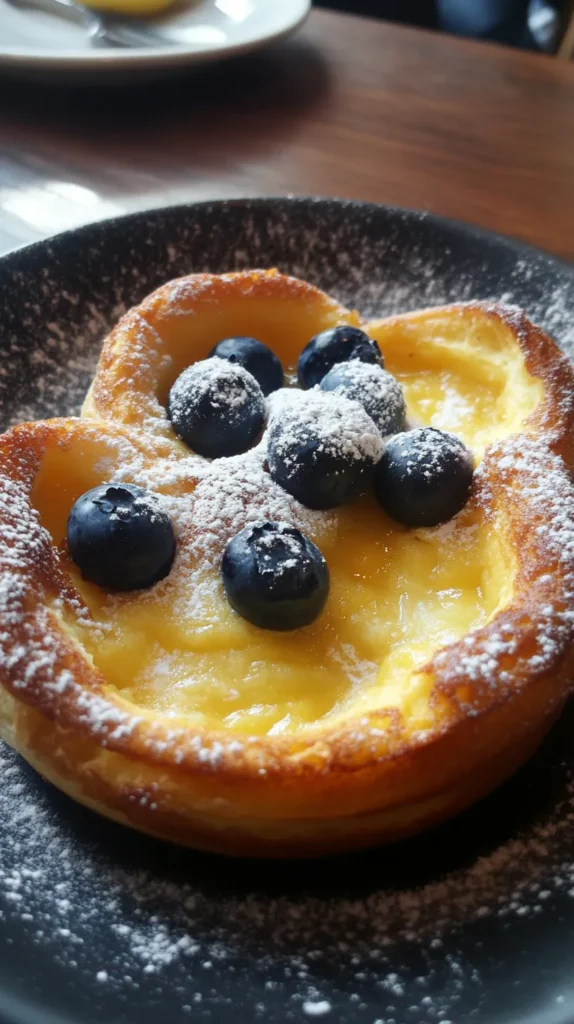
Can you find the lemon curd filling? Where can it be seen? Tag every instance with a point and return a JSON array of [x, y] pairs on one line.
[[471, 382], [396, 595]]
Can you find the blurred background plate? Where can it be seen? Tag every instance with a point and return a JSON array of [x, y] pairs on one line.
[[471, 923], [35, 43]]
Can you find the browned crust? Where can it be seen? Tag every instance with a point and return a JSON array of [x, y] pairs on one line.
[[334, 787], [411, 795]]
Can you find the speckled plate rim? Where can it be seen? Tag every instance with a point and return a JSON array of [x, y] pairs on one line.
[[460, 228]]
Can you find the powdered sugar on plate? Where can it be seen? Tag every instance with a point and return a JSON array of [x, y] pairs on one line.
[[98, 901]]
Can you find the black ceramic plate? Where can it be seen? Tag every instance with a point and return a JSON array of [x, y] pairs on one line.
[[473, 922]]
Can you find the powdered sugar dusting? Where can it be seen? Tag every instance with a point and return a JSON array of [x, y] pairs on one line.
[[340, 427], [419, 451], [378, 392], [238, 491], [228, 385], [316, 1008], [546, 487], [33, 661]]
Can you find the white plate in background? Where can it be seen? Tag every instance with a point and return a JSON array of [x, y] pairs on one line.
[[37, 43]]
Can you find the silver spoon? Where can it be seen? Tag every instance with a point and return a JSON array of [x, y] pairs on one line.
[[100, 29]]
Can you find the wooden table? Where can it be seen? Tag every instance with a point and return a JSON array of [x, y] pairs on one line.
[[349, 107]]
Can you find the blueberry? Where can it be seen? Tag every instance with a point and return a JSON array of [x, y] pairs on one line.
[[378, 392], [120, 537], [338, 345], [322, 448], [424, 477], [256, 358], [274, 576], [217, 408]]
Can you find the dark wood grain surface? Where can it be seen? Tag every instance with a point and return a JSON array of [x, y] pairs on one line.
[[348, 107]]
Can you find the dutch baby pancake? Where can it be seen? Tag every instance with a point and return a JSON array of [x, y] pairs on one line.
[[293, 583]]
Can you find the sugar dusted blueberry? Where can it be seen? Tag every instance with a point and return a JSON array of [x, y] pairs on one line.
[[217, 408], [338, 345], [322, 448], [255, 357], [120, 537], [377, 391], [274, 576], [424, 477]]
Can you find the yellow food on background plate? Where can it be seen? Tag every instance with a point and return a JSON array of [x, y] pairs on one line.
[[354, 613], [135, 8]]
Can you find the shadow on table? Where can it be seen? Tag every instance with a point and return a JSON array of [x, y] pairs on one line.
[[236, 105]]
